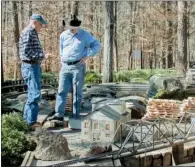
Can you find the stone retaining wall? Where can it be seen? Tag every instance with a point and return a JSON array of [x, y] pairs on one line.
[[161, 157]]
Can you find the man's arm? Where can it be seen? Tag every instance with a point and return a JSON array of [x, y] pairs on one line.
[[61, 45], [93, 45], [32, 47]]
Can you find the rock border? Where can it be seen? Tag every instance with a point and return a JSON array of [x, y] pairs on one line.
[[28, 159]]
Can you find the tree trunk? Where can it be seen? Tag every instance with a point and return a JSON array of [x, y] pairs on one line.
[[181, 61], [3, 37], [142, 42], [16, 39], [108, 42], [75, 6], [90, 63], [163, 61], [6, 36], [131, 35], [99, 30], [115, 39], [2, 72], [30, 9], [169, 32], [154, 46], [21, 15]]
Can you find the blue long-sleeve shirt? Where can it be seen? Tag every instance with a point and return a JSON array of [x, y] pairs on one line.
[[73, 47]]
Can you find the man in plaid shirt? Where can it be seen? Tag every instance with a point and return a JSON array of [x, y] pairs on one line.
[[31, 55]]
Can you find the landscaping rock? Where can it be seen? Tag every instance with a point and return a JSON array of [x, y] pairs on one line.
[[18, 104], [159, 82], [190, 151], [137, 105], [98, 91], [22, 97], [167, 159], [145, 160], [51, 146], [157, 162], [95, 150], [49, 93]]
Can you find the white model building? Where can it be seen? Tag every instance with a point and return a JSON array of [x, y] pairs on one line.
[[102, 122]]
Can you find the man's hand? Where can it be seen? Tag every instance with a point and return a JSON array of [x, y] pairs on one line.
[[83, 60], [47, 55]]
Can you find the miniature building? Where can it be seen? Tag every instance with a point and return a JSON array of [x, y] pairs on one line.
[[101, 124]]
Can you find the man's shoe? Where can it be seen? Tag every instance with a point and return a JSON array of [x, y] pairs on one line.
[[35, 126], [55, 118]]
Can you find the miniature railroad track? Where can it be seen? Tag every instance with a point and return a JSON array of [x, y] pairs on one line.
[[147, 142], [113, 154], [20, 86]]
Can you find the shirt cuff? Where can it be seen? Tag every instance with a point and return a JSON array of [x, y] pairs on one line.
[[89, 53]]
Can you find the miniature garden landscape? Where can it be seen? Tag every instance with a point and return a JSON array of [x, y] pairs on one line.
[[138, 98], [17, 139]]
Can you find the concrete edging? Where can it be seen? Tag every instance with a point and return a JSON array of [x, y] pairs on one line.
[[28, 159]]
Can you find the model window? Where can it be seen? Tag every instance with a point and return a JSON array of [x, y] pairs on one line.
[[107, 135], [107, 126], [95, 125], [86, 125]]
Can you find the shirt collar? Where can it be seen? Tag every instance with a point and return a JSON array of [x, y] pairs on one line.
[[69, 33]]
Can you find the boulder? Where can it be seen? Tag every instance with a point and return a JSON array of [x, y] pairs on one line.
[[137, 105], [49, 93], [160, 82], [98, 91], [12, 105], [95, 150], [51, 146], [22, 97]]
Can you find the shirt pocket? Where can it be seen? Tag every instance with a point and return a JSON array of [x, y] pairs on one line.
[[79, 44]]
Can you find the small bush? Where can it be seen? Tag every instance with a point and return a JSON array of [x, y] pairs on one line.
[[49, 75], [92, 77], [14, 145], [121, 76], [14, 121], [15, 140]]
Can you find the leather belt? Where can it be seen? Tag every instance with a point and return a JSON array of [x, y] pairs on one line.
[[31, 61], [72, 63]]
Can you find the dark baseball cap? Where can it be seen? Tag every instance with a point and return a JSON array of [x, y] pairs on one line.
[[74, 22], [39, 18]]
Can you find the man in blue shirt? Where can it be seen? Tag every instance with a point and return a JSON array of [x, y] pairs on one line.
[[31, 55], [76, 46]]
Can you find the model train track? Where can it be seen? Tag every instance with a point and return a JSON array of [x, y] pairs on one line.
[[124, 153], [20, 86]]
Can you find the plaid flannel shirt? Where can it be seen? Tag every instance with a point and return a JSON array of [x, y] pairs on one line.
[[29, 45]]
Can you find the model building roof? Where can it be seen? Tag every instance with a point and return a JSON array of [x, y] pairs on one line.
[[106, 110]]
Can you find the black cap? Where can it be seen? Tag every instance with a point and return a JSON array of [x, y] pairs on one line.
[[74, 22]]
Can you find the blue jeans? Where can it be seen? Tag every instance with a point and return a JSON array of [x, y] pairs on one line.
[[31, 74], [70, 76]]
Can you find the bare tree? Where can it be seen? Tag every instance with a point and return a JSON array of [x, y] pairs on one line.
[[131, 34], [2, 72], [30, 9], [149, 27], [75, 6], [115, 38], [181, 61], [21, 15], [6, 34], [169, 32], [16, 39], [108, 42]]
